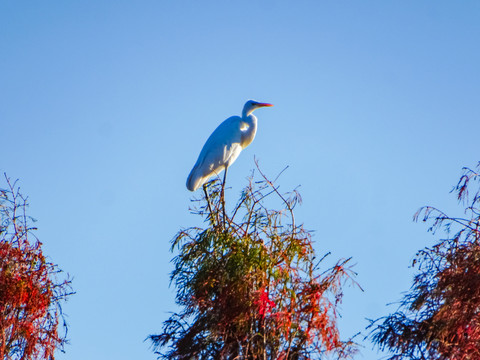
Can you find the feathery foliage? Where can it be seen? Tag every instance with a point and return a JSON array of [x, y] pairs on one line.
[[30, 295], [250, 285], [439, 318]]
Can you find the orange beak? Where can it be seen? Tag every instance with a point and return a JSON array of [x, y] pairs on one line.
[[264, 104]]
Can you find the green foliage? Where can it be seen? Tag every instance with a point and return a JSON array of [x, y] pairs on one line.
[[439, 317], [250, 285]]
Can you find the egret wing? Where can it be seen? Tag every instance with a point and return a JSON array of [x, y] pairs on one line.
[[220, 150], [221, 144]]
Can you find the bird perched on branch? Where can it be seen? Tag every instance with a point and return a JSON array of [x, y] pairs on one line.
[[224, 145]]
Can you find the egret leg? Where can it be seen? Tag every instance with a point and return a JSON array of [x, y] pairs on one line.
[[223, 195], [208, 202]]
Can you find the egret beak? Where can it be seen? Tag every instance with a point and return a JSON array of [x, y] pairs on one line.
[[264, 104]]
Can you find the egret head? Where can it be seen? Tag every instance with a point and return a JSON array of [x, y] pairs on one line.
[[251, 105]]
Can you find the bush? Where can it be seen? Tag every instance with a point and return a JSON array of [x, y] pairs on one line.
[[439, 317], [30, 295], [250, 285]]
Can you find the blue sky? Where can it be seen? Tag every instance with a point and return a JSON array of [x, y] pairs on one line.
[[106, 105]]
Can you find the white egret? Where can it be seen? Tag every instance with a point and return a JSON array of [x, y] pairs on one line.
[[224, 145]]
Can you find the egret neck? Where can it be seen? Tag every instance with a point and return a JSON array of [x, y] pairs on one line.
[[248, 129]]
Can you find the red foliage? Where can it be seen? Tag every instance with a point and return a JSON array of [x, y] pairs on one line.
[[29, 295], [439, 318], [263, 303], [459, 314]]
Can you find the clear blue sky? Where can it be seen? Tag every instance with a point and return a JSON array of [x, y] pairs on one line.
[[105, 106]]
